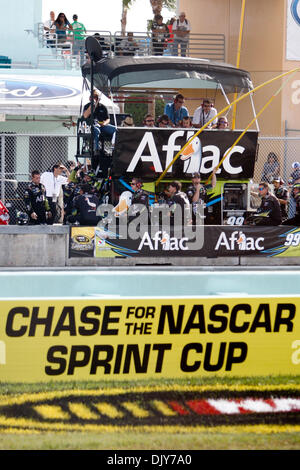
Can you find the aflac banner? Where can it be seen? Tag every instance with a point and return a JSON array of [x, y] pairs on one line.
[[293, 30]]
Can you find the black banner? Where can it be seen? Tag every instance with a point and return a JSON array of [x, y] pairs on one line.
[[147, 153], [206, 241]]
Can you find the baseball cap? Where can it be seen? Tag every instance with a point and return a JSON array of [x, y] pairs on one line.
[[195, 175], [296, 165]]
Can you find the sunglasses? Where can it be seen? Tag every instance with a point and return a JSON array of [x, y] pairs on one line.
[[149, 120], [261, 189]]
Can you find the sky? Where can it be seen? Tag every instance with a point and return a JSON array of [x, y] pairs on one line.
[[103, 15]]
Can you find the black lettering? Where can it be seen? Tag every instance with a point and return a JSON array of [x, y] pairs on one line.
[[35, 320], [213, 316], [207, 365], [105, 362], [246, 308], [167, 311], [200, 324], [184, 366], [10, 329], [141, 366], [56, 360], [67, 314], [263, 312], [75, 360], [279, 320], [118, 359], [231, 358], [107, 320], [94, 322], [161, 348]]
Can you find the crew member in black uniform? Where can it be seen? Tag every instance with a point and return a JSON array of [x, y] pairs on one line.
[[282, 195], [36, 203], [296, 195], [197, 194], [102, 126], [269, 212], [176, 198], [85, 208]]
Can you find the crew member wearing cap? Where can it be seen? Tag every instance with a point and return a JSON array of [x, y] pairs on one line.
[[282, 195], [102, 126], [296, 195], [197, 193], [53, 181], [294, 178], [269, 212]]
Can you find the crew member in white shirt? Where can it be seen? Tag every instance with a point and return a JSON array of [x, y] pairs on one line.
[[205, 113], [53, 181]]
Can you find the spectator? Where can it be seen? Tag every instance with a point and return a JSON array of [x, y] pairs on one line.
[[128, 46], [269, 212], [181, 30], [36, 203], [170, 38], [271, 168], [85, 208], [163, 121], [205, 113], [197, 194], [295, 175], [102, 126], [282, 195], [222, 123], [49, 27], [148, 121], [127, 121], [176, 111], [62, 25], [160, 33], [78, 38], [186, 122], [53, 181]]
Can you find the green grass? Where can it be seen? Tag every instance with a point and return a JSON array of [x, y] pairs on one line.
[[148, 440]]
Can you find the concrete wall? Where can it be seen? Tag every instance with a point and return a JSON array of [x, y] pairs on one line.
[[48, 247], [263, 54]]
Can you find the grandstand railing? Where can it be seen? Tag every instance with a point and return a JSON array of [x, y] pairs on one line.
[[61, 55]]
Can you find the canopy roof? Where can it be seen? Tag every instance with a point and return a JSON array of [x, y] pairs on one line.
[[165, 72]]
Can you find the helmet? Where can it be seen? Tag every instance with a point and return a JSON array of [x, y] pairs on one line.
[[22, 218]]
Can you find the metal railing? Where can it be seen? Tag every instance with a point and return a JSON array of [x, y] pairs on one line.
[[206, 46]]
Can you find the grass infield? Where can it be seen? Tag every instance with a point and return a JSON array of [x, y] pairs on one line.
[[144, 415]]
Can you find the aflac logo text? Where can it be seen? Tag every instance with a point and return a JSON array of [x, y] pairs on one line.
[[163, 240], [238, 240]]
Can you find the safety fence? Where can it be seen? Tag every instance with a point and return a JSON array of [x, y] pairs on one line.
[[20, 154]]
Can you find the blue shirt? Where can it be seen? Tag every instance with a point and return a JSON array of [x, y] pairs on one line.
[[175, 115]]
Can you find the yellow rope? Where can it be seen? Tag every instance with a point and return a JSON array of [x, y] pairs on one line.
[[222, 112]]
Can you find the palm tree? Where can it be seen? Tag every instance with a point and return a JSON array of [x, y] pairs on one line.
[[156, 6], [126, 4]]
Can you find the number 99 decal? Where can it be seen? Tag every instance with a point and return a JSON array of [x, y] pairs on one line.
[[232, 220], [292, 239]]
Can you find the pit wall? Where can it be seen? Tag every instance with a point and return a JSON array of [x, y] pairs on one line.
[[48, 247]]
